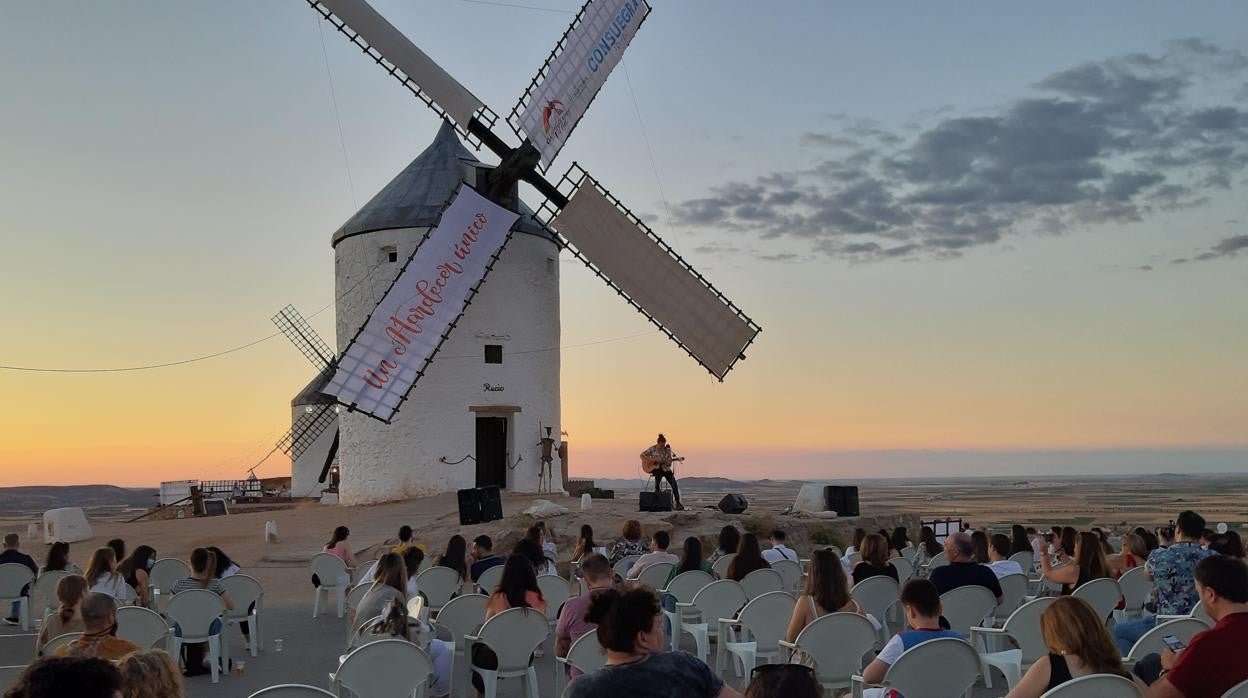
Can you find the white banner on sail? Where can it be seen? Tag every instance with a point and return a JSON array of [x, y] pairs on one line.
[[389, 353], [591, 51]]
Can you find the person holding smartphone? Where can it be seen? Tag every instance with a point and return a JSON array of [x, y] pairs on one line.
[[1212, 663]]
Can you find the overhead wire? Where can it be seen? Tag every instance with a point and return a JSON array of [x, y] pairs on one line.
[[333, 96]]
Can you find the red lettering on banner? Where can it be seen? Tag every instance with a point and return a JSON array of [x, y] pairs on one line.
[[377, 380]]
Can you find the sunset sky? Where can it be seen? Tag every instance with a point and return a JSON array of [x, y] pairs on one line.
[[979, 238]]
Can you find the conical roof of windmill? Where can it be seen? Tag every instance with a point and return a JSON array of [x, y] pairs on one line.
[[416, 196]]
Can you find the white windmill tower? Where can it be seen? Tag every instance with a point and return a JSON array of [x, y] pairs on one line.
[[410, 268]]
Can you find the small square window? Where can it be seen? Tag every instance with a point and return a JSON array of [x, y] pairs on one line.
[[390, 253], [493, 353]]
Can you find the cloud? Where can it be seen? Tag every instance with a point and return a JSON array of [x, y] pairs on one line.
[[1227, 247], [1111, 141]]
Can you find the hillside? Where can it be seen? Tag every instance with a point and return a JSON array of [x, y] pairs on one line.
[[15, 501]]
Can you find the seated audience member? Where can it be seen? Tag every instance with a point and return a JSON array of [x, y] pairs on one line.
[[119, 548], [962, 569], [748, 559], [1088, 563], [547, 564], [58, 677], [339, 548], [517, 589], [405, 541], [1134, 553], [585, 544], [394, 622], [630, 628], [1021, 541], [203, 576], [658, 554], [855, 545], [929, 547], [979, 543], [483, 557], [921, 601], [999, 556], [71, 591], [1228, 544], [1078, 645], [134, 570], [899, 542], [99, 621], [690, 560], [225, 566], [572, 625], [1173, 571], [58, 560], [548, 544], [1167, 535], [778, 550], [1103, 537], [1206, 537], [531, 551], [729, 541], [1214, 660], [630, 543], [103, 577], [412, 556], [874, 561], [784, 681], [1068, 540], [390, 584], [456, 556], [827, 591], [150, 674]]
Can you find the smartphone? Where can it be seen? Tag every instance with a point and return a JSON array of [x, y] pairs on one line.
[[1173, 643]]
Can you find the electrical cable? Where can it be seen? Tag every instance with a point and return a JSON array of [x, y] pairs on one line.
[[333, 96], [518, 6]]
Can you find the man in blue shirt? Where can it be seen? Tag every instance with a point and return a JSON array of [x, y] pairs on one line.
[[483, 557], [963, 570], [1173, 571], [921, 601]]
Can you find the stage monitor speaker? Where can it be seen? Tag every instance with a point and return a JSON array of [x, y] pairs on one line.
[[479, 505], [733, 504], [841, 499], [655, 501], [491, 503]]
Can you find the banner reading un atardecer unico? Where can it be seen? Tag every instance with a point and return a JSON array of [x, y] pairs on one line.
[[592, 49], [390, 352]]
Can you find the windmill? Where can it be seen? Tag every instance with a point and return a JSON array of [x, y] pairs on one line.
[[396, 344]]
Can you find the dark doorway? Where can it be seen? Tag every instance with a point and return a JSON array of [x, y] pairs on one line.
[[492, 451]]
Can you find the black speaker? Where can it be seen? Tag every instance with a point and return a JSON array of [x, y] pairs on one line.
[[655, 501], [480, 504], [842, 500], [491, 503], [733, 504]]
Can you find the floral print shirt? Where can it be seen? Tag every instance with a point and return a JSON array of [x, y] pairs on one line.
[[1174, 574]]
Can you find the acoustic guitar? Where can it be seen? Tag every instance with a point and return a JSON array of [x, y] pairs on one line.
[[649, 464]]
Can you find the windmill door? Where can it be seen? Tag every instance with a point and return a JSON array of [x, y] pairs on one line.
[[492, 451]]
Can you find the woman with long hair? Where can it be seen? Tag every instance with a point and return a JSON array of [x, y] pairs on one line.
[[339, 548], [58, 560], [1088, 563], [979, 540], [225, 566], [389, 584], [537, 534], [929, 547], [516, 589], [1134, 553], [135, 569], [119, 548], [150, 674], [1068, 539], [900, 541], [630, 543], [827, 591], [203, 576], [690, 559], [585, 544], [102, 575], [1018, 540], [456, 556], [749, 558], [784, 681], [856, 546], [874, 560], [70, 592], [1078, 645], [729, 541]]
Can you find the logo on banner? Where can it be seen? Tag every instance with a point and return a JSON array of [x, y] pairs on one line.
[[553, 108]]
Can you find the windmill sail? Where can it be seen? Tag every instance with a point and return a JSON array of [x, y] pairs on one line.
[[401, 58], [300, 333], [626, 254]]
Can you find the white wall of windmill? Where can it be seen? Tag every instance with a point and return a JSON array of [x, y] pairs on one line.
[[517, 308], [305, 471]]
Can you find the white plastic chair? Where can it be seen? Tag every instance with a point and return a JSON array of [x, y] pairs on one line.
[[1183, 628], [585, 654], [44, 591], [357, 594], [1239, 690], [655, 576], [966, 607], [1026, 560], [389, 668], [51, 646], [1095, 686], [1198, 612], [877, 595], [416, 608], [940, 559], [625, 563], [329, 569], [716, 600], [909, 554], [837, 643], [165, 572], [144, 627], [761, 582], [1102, 594], [556, 592], [790, 573], [461, 616], [904, 567], [683, 588], [944, 666], [194, 611], [1013, 590], [1023, 628], [291, 690], [720, 566], [1135, 590], [439, 585], [245, 590], [13, 577], [487, 583], [513, 635], [766, 618]]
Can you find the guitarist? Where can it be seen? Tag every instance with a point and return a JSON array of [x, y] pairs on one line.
[[660, 454]]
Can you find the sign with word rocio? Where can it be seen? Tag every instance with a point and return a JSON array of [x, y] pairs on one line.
[[592, 49], [392, 349]]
